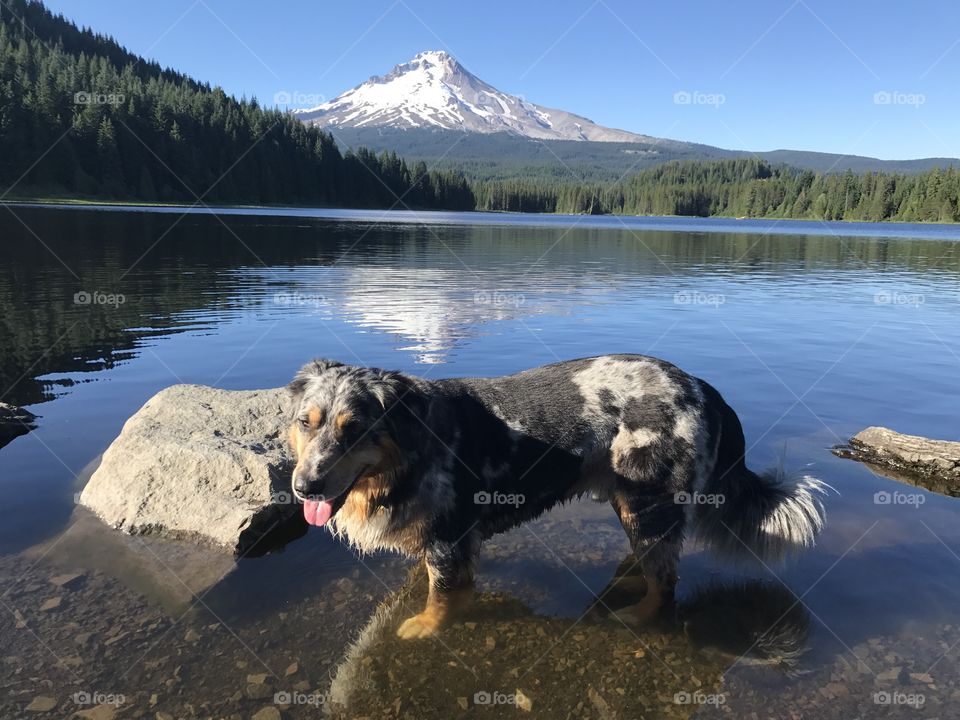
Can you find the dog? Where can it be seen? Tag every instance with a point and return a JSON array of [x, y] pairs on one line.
[[431, 468]]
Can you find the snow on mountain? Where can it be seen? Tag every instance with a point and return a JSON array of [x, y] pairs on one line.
[[433, 90]]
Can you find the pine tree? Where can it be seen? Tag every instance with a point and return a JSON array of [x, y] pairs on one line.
[[109, 159]]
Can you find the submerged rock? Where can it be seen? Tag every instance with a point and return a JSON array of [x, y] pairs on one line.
[[201, 463], [14, 422], [42, 703], [933, 464], [145, 562]]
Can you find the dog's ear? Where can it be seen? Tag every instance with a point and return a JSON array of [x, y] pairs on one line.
[[389, 387], [312, 369], [402, 405]]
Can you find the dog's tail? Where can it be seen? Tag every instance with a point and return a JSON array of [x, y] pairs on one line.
[[771, 515]]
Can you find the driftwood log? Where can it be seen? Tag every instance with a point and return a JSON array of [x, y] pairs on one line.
[[933, 464]]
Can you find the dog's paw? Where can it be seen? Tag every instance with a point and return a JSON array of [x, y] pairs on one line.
[[643, 613], [418, 626]]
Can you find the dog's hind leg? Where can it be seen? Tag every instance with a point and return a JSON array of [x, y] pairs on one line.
[[654, 526], [659, 563], [658, 468], [450, 570]]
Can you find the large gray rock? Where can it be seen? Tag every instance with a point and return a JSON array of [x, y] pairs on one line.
[[935, 464], [14, 421], [201, 463]]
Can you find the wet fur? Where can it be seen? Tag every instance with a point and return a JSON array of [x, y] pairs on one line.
[[633, 429]]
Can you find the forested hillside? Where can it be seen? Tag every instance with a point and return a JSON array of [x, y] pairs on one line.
[[740, 188], [108, 124], [499, 156]]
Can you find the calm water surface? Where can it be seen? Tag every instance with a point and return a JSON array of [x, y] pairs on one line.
[[811, 332]]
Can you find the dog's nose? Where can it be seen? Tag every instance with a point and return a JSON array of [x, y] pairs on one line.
[[302, 484]]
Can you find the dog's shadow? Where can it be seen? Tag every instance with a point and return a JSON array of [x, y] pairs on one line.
[[752, 618], [499, 643]]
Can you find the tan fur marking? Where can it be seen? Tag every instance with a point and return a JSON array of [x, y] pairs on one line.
[[340, 423], [298, 436], [442, 605], [293, 437], [365, 496], [391, 457], [363, 505], [647, 609]]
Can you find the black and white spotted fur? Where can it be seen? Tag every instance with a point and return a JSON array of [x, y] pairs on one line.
[[629, 428]]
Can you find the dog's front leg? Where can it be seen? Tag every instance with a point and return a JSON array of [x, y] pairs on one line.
[[450, 570]]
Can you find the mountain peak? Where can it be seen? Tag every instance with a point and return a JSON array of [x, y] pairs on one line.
[[437, 57], [430, 61], [433, 90]]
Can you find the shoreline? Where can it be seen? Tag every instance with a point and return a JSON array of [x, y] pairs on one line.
[[133, 204], [685, 224]]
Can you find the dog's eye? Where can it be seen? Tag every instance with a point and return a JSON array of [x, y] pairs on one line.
[[304, 423]]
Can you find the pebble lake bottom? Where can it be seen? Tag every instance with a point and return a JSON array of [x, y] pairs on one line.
[[810, 332]]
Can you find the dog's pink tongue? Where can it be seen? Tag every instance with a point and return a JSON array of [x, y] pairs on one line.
[[317, 512]]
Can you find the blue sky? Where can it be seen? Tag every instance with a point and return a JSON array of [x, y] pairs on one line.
[[866, 77]]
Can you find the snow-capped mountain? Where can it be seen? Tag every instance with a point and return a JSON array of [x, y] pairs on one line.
[[434, 91]]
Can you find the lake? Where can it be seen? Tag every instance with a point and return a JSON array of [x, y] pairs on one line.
[[811, 331]]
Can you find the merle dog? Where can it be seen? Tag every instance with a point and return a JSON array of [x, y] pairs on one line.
[[432, 468]]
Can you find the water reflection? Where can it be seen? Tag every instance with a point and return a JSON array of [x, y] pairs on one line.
[[429, 310], [430, 293], [751, 619]]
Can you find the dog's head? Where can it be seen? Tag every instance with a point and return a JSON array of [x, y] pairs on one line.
[[342, 431]]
